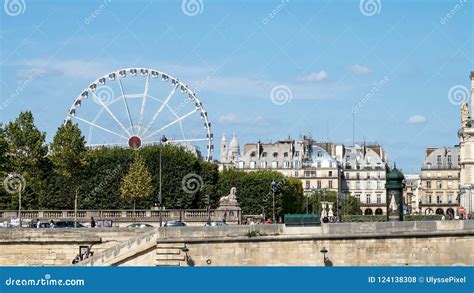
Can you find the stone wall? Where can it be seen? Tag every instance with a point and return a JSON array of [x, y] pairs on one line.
[[352, 244]]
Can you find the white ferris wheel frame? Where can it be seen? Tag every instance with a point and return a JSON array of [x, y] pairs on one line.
[[142, 130]]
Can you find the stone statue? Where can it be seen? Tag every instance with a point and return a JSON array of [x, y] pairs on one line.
[[464, 114], [393, 205], [231, 198]]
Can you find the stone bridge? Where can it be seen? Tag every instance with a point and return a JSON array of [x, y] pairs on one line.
[[433, 243]]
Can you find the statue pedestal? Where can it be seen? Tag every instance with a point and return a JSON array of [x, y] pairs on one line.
[[229, 209]]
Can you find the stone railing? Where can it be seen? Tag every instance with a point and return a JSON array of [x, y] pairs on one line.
[[190, 215]]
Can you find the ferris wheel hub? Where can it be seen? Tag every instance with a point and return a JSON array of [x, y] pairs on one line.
[[134, 142]]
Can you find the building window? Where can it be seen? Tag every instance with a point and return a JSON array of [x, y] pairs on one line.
[[297, 164], [297, 154], [428, 184], [274, 164], [320, 154], [439, 184], [286, 164], [252, 165], [241, 165], [264, 154], [357, 196], [438, 160], [330, 183], [450, 184], [368, 184], [450, 198], [357, 184], [449, 159], [368, 175], [379, 185], [285, 154], [379, 198], [367, 198], [357, 175], [428, 199], [330, 173], [252, 154], [307, 184], [275, 154], [428, 174], [318, 164], [439, 199], [263, 165], [296, 174], [319, 184]]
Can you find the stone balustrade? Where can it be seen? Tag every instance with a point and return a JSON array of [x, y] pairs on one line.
[[189, 215]]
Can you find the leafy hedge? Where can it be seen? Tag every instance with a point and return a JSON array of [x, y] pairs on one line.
[[364, 218]]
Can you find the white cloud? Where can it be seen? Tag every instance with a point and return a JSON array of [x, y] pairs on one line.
[[416, 119], [232, 118], [314, 76], [360, 69], [72, 68]]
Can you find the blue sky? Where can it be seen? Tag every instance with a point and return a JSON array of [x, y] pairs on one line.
[[393, 66]]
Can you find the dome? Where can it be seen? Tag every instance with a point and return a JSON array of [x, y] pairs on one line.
[[395, 175], [234, 144], [223, 138]]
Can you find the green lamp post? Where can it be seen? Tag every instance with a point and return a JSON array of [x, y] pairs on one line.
[[394, 186]]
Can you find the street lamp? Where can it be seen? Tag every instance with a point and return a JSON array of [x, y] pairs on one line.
[[273, 186], [160, 197], [324, 251]]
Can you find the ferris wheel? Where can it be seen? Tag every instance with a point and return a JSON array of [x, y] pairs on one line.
[[139, 106]]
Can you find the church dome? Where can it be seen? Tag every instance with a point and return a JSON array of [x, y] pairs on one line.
[[234, 144]]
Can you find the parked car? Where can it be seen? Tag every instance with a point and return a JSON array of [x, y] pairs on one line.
[[216, 223], [67, 224], [139, 225], [175, 224]]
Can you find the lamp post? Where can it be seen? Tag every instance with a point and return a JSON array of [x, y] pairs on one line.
[[324, 251], [160, 197], [19, 203], [273, 186], [208, 202]]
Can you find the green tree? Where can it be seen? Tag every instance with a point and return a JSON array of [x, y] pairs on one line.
[[137, 183], [254, 192], [5, 198], [348, 205], [28, 157], [67, 154]]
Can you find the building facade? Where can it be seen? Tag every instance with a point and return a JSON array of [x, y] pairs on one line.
[[412, 194], [440, 181], [466, 145], [364, 174]]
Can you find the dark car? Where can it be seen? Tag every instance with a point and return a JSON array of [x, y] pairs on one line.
[[216, 224], [139, 225], [67, 224], [175, 224]]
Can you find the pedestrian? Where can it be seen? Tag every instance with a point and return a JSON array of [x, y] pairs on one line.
[[51, 224], [92, 222], [38, 223], [443, 218]]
